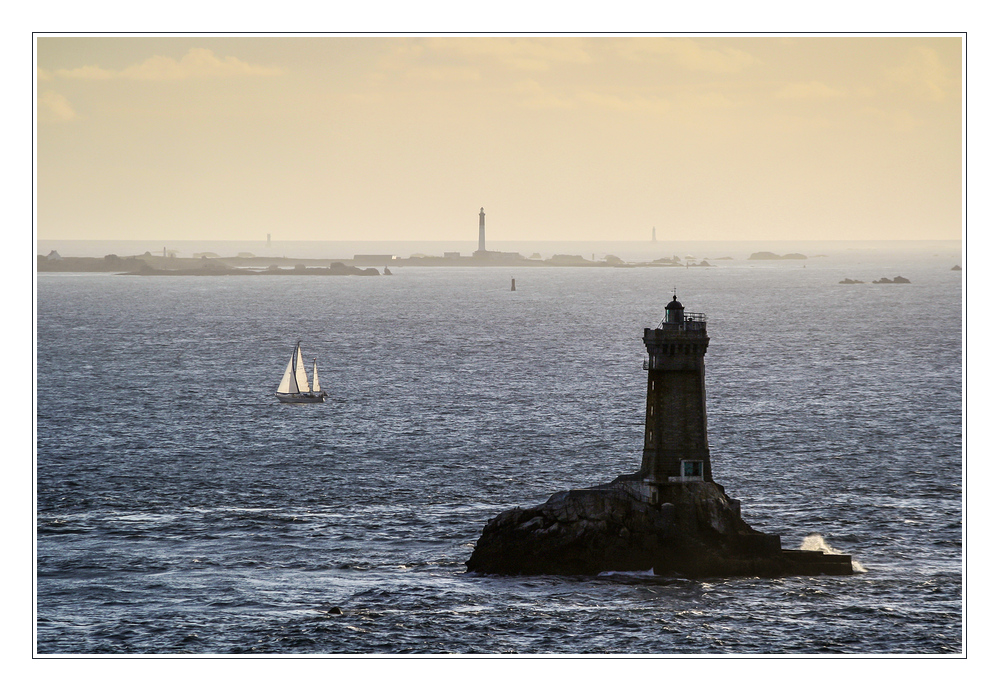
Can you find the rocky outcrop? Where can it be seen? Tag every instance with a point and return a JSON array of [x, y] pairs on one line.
[[111, 263], [692, 529], [850, 281], [569, 260], [897, 279]]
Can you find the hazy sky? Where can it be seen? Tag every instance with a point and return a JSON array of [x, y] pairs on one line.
[[565, 138]]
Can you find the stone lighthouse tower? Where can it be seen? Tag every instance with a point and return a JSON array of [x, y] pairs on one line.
[[482, 229], [676, 427]]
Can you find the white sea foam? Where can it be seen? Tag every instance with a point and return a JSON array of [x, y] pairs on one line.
[[815, 541], [633, 574]]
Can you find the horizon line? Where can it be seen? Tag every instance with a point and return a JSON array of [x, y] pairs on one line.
[[643, 242]]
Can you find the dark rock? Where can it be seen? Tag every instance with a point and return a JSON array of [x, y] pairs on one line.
[[850, 281], [334, 610], [695, 530], [956, 267]]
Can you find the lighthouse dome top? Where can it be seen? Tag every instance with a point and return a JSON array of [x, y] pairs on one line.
[[674, 312]]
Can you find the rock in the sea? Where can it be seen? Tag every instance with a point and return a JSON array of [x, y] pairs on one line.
[[697, 531], [850, 281], [956, 267]]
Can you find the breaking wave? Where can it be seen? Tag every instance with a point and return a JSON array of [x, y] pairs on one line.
[[815, 541]]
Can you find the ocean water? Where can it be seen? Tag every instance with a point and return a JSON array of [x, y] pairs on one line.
[[182, 510]]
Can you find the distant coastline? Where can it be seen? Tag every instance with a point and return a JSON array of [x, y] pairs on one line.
[[364, 265], [330, 258], [629, 250]]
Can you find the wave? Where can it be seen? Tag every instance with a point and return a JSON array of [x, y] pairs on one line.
[[815, 542]]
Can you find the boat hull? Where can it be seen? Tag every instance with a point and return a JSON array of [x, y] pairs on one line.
[[301, 397]]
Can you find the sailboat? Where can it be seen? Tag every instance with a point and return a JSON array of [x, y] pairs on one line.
[[294, 387]]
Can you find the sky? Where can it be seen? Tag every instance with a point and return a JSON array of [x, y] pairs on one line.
[[581, 138]]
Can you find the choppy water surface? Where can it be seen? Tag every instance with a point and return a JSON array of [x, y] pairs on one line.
[[182, 509]]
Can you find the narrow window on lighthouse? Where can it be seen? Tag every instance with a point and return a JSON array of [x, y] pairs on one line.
[[693, 469]]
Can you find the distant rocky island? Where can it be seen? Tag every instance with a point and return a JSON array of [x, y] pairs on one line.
[[771, 255], [334, 269], [850, 281], [897, 279], [151, 265], [246, 264]]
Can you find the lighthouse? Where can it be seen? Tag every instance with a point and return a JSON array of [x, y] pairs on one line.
[[482, 229], [670, 517], [676, 426]]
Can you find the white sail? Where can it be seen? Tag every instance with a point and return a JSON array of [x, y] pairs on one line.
[[301, 377], [287, 384], [294, 387]]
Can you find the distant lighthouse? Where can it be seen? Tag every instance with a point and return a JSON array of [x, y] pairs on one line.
[[676, 426], [482, 229], [653, 233]]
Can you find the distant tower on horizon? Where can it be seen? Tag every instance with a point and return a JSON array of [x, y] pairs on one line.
[[268, 239], [653, 233], [482, 229]]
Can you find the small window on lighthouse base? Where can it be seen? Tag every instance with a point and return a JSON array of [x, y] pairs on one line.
[[693, 470]]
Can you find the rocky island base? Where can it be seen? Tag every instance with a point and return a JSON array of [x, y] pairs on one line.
[[692, 529]]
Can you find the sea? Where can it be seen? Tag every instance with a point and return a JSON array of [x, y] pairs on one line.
[[180, 509]]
